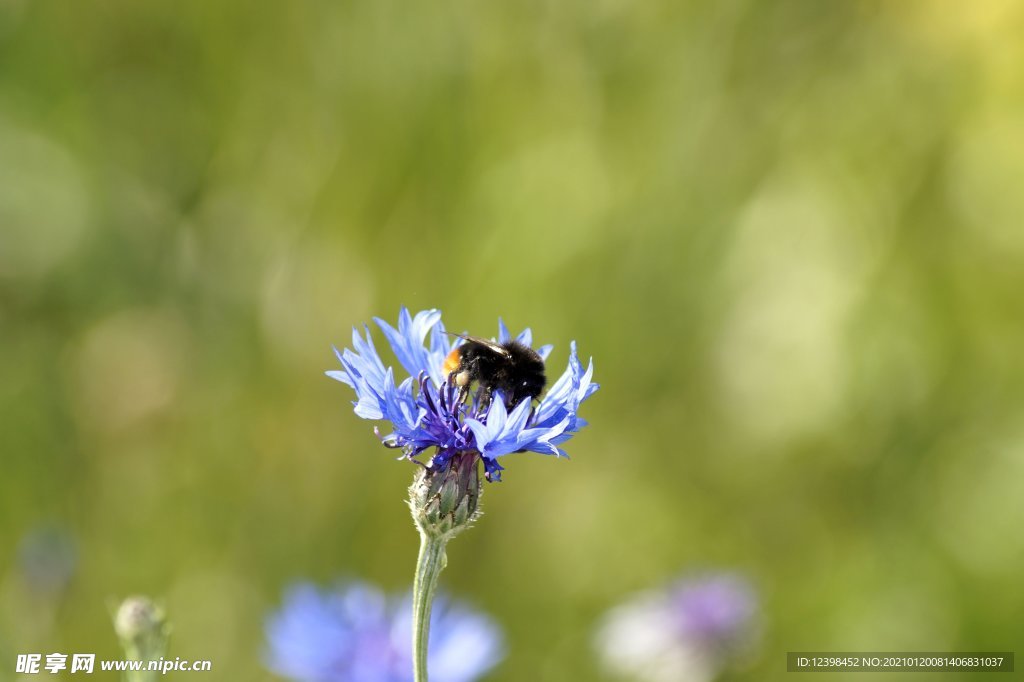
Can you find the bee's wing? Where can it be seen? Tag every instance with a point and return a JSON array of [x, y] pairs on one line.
[[487, 343]]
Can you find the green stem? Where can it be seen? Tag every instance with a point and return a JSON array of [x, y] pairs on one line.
[[133, 653], [428, 568], [138, 675]]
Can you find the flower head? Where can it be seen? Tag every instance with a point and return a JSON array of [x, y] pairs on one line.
[[142, 627], [47, 559], [357, 634], [690, 631], [427, 409]]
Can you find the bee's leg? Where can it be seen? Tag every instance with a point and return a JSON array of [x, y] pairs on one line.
[[462, 380], [485, 398], [452, 381]]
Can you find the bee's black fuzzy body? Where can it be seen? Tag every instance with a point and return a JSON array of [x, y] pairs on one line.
[[513, 368]]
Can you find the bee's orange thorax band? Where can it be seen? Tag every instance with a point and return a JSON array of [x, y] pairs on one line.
[[451, 362]]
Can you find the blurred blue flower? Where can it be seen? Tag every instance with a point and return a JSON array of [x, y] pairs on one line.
[[47, 558], [425, 409], [692, 630], [358, 634]]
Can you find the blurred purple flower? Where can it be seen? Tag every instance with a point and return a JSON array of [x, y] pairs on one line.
[[358, 634], [692, 630], [425, 411], [716, 610]]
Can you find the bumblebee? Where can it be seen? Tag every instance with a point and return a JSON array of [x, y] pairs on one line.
[[511, 367]]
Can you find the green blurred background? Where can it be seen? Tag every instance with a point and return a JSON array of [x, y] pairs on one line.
[[788, 233]]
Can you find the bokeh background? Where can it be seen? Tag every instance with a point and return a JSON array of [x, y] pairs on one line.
[[788, 233]]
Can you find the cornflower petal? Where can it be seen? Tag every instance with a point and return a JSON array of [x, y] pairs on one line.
[[407, 340], [504, 335]]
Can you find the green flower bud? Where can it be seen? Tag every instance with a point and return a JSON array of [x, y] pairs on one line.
[[142, 628], [445, 500]]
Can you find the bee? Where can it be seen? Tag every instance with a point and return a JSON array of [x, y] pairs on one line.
[[511, 367]]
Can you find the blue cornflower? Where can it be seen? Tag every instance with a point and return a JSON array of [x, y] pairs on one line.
[[427, 410], [691, 630], [47, 558], [358, 634]]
